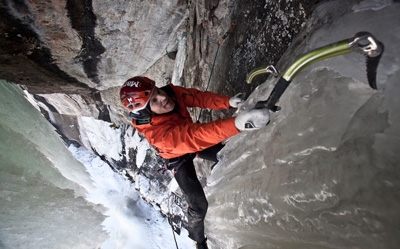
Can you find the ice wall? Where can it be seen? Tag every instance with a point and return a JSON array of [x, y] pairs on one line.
[[42, 186], [49, 199], [324, 173]]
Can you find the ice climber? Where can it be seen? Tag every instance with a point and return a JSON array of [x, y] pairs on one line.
[[161, 115]]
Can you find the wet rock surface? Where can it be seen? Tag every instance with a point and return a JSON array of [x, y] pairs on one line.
[[74, 55]]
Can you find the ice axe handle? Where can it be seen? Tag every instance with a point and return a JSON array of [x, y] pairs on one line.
[[275, 95]]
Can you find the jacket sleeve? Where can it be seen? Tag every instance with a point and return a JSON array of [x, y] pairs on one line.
[[191, 137], [195, 98]]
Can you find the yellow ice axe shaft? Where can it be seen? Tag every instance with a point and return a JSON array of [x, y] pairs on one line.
[[362, 42]]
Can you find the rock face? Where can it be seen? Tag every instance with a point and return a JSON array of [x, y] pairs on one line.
[[74, 55], [90, 47], [97, 44], [85, 47]]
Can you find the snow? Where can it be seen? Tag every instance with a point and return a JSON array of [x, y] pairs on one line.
[[131, 222], [108, 143], [133, 140], [43, 185]]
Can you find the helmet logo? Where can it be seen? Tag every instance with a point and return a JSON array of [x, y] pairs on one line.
[[132, 83], [136, 92]]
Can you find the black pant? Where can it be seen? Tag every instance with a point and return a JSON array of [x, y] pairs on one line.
[[193, 191]]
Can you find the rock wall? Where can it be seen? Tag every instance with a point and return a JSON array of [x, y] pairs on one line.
[[73, 55], [90, 47]]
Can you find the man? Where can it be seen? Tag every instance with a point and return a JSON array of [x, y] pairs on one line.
[[161, 115]]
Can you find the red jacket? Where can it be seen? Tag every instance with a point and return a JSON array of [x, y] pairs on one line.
[[175, 134]]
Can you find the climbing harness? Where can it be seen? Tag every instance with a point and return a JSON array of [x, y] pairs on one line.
[[362, 42], [162, 170]]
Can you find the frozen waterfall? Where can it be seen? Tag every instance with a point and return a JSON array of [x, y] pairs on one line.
[[324, 174]]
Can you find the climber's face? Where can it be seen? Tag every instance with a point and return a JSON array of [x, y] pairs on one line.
[[160, 102]]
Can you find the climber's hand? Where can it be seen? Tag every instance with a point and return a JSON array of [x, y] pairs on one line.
[[236, 101], [252, 119]]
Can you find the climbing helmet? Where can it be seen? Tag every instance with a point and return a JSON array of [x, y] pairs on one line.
[[136, 92]]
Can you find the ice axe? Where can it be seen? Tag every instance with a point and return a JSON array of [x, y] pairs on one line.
[[362, 42]]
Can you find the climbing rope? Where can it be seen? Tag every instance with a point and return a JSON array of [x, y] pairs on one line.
[[233, 24], [219, 44], [225, 36], [170, 221]]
